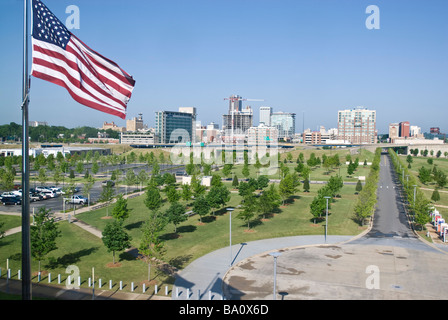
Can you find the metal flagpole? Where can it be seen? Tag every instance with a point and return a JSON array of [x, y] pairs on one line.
[[26, 243]]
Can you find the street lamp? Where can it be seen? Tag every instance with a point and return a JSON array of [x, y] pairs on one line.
[[326, 218], [413, 216], [229, 210], [275, 255]]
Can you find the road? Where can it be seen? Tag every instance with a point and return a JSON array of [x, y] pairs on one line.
[[388, 262]]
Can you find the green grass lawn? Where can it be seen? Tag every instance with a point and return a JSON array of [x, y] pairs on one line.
[[442, 164]]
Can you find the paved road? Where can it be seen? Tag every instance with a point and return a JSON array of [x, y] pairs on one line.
[[388, 262]]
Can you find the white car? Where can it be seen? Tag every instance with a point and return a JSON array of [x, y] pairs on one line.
[[40, 189], [77, 200], [50, 193], [8, 194], [56, 189]]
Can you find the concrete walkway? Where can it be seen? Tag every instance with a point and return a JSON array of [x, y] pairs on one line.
[[202, 279]]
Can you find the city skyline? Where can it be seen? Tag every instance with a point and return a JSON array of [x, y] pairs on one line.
[[298, 56]]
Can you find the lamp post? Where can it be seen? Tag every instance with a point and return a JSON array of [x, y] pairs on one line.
[[326, 219], [275, 255], [407, 181], [229, 210], [413, 216]]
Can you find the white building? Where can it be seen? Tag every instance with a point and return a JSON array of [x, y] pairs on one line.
[[265, 116], [357, 125], [261, 135]]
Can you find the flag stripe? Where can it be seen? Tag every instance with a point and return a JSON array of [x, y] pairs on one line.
[[107, 63], [74, 74], [103, 74], [82, 100], [87, 96]]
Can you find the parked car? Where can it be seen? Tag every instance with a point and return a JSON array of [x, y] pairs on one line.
[[11, 200], [40, 189], [55, 189], [7, 194], [50, 193], [45, 195], [106, 182], [77, 199], [34, 196]]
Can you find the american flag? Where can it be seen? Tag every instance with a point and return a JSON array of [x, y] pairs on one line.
[[61, 58]]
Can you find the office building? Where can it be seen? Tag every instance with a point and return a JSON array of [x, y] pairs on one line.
[[404, 129], [174, 127], [357, 125], [285, 123], [319, 137], [394, 131], [136, 124], [265, 115], [262, 135], [237, 123]]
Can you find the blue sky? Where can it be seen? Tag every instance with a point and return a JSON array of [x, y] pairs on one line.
[[311, 57]]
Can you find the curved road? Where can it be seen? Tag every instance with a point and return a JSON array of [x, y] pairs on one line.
[[388, 262]]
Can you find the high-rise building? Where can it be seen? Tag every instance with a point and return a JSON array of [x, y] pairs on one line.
[[238, 122], [357, 125], [285, 123], [394, 131], [262, 135], [265, 115], [405, 129], [174, 127]]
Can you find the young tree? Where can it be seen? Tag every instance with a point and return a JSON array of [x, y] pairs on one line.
[[358, 186], [172, 194], [217, 197], [153, 200], [424, 175], [435, 195], [269, 200], [115, 237], [120, 210], [235, 182], [286, 187], [245, 171], [249, 207], [107, 195], [186, 193], [43, 234], [151, 246], [306, 185], [176, 214], [201, 207]]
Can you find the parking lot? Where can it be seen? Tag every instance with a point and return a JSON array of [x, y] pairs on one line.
[[58, 204]]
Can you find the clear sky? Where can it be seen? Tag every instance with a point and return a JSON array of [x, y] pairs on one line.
[[311, 57]]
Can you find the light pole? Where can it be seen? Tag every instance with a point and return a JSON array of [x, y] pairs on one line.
[[326, 219], [229, 210], [413, 216], [275, 255], [407, 181]]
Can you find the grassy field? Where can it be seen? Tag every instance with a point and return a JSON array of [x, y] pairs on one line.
[[192, 240], [441, 164]]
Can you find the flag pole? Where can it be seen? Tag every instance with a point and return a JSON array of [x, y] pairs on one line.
[[26, 243]]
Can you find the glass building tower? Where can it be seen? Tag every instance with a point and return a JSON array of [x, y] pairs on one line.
[[174, 127]]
